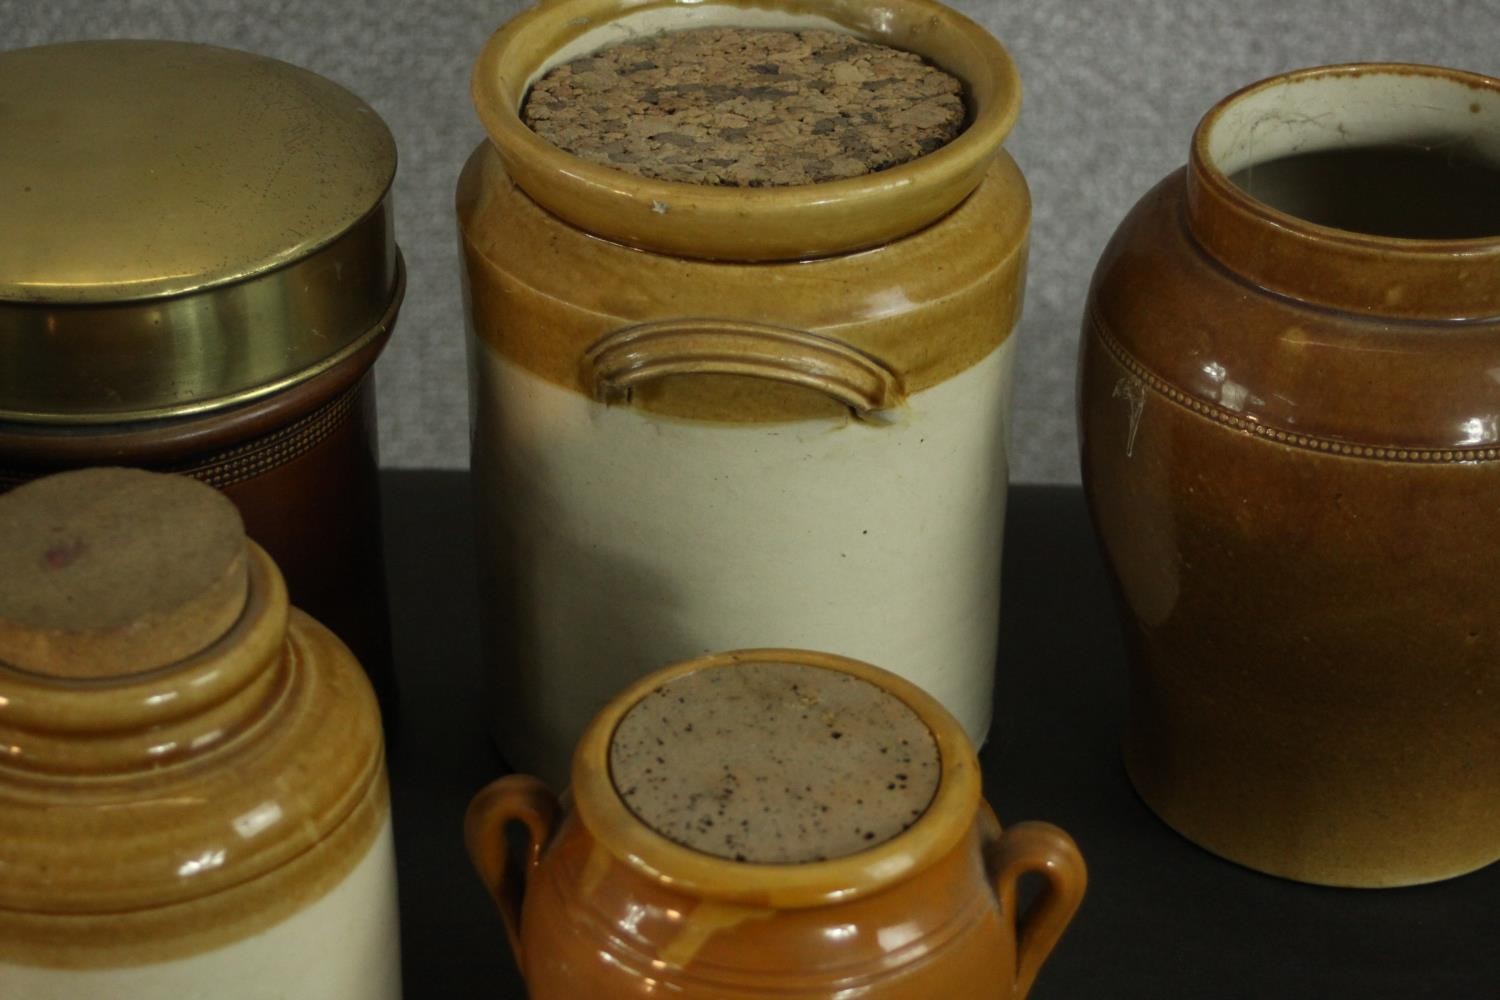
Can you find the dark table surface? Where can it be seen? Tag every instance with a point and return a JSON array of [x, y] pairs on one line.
[[1163, 919]]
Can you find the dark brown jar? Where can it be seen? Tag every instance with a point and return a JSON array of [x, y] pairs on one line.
[[1290, 416], [197, 271]]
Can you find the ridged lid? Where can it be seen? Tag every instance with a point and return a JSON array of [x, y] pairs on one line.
[[156, 805], [185, 227]]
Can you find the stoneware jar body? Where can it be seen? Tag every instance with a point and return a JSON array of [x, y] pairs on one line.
[[707, 417], [614, 908], [216, 827], [1288, 411], [192, 285]]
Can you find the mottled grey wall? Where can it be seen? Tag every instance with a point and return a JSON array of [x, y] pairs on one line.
[[1113, 90]]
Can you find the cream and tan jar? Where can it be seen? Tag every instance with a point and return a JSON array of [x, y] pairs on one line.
[[706, 417], [193, 798]]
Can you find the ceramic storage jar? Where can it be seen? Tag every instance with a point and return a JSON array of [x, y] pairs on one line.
[[197, 271], [1291, 447], [773, 823], [708, 416], [192, 790]]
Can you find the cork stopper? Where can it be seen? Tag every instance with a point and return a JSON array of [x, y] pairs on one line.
[[111, 572], [774, 763], [747, 107]]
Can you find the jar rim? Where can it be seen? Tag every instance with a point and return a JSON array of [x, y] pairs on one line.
[[767, 223], [1356, 268], [942, 826], [1206, 164]]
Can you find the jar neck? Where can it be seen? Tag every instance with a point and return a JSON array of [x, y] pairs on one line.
[[146, 721], [1268, 237]]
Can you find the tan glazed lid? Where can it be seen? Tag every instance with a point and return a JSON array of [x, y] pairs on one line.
[[185, 228], [184, 759]]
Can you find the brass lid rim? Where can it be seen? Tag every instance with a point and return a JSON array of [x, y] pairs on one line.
[[381, 327]]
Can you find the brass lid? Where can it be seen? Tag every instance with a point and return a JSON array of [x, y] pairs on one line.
[[186, 227]]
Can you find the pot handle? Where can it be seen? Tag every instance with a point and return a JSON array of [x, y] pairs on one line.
[[516, 798], [1046, 850], [616, 363]]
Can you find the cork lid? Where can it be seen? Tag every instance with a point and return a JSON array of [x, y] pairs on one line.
[[112, 572], [748, 107], [788, 220], [774, 763], [185, 227]]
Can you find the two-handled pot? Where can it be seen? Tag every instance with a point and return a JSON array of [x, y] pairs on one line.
[[605, 903]]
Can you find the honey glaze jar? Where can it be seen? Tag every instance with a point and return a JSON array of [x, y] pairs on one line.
[[197, 271], [193, 799], [772, 823], [707, 414]]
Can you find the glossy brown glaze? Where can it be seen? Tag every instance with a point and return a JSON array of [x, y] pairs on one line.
[[159, 810], [1291, 448], [300, 465], [614, 909]]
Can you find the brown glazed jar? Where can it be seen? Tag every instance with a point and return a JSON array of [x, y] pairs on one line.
[[773, 823], [197, 271], [1289, 402], [193, 798]]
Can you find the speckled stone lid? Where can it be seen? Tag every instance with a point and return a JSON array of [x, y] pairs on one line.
[[774, 763]]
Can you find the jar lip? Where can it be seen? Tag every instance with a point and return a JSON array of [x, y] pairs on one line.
[[1205, 173], [941, 827], [1356, 272], [768, 223]]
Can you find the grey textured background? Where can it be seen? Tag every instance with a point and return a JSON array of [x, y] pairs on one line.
[[1113, 90]]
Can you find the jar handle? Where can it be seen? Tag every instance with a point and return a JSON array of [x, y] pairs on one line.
[[1043, 849], [516, 798], [621, 360]]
